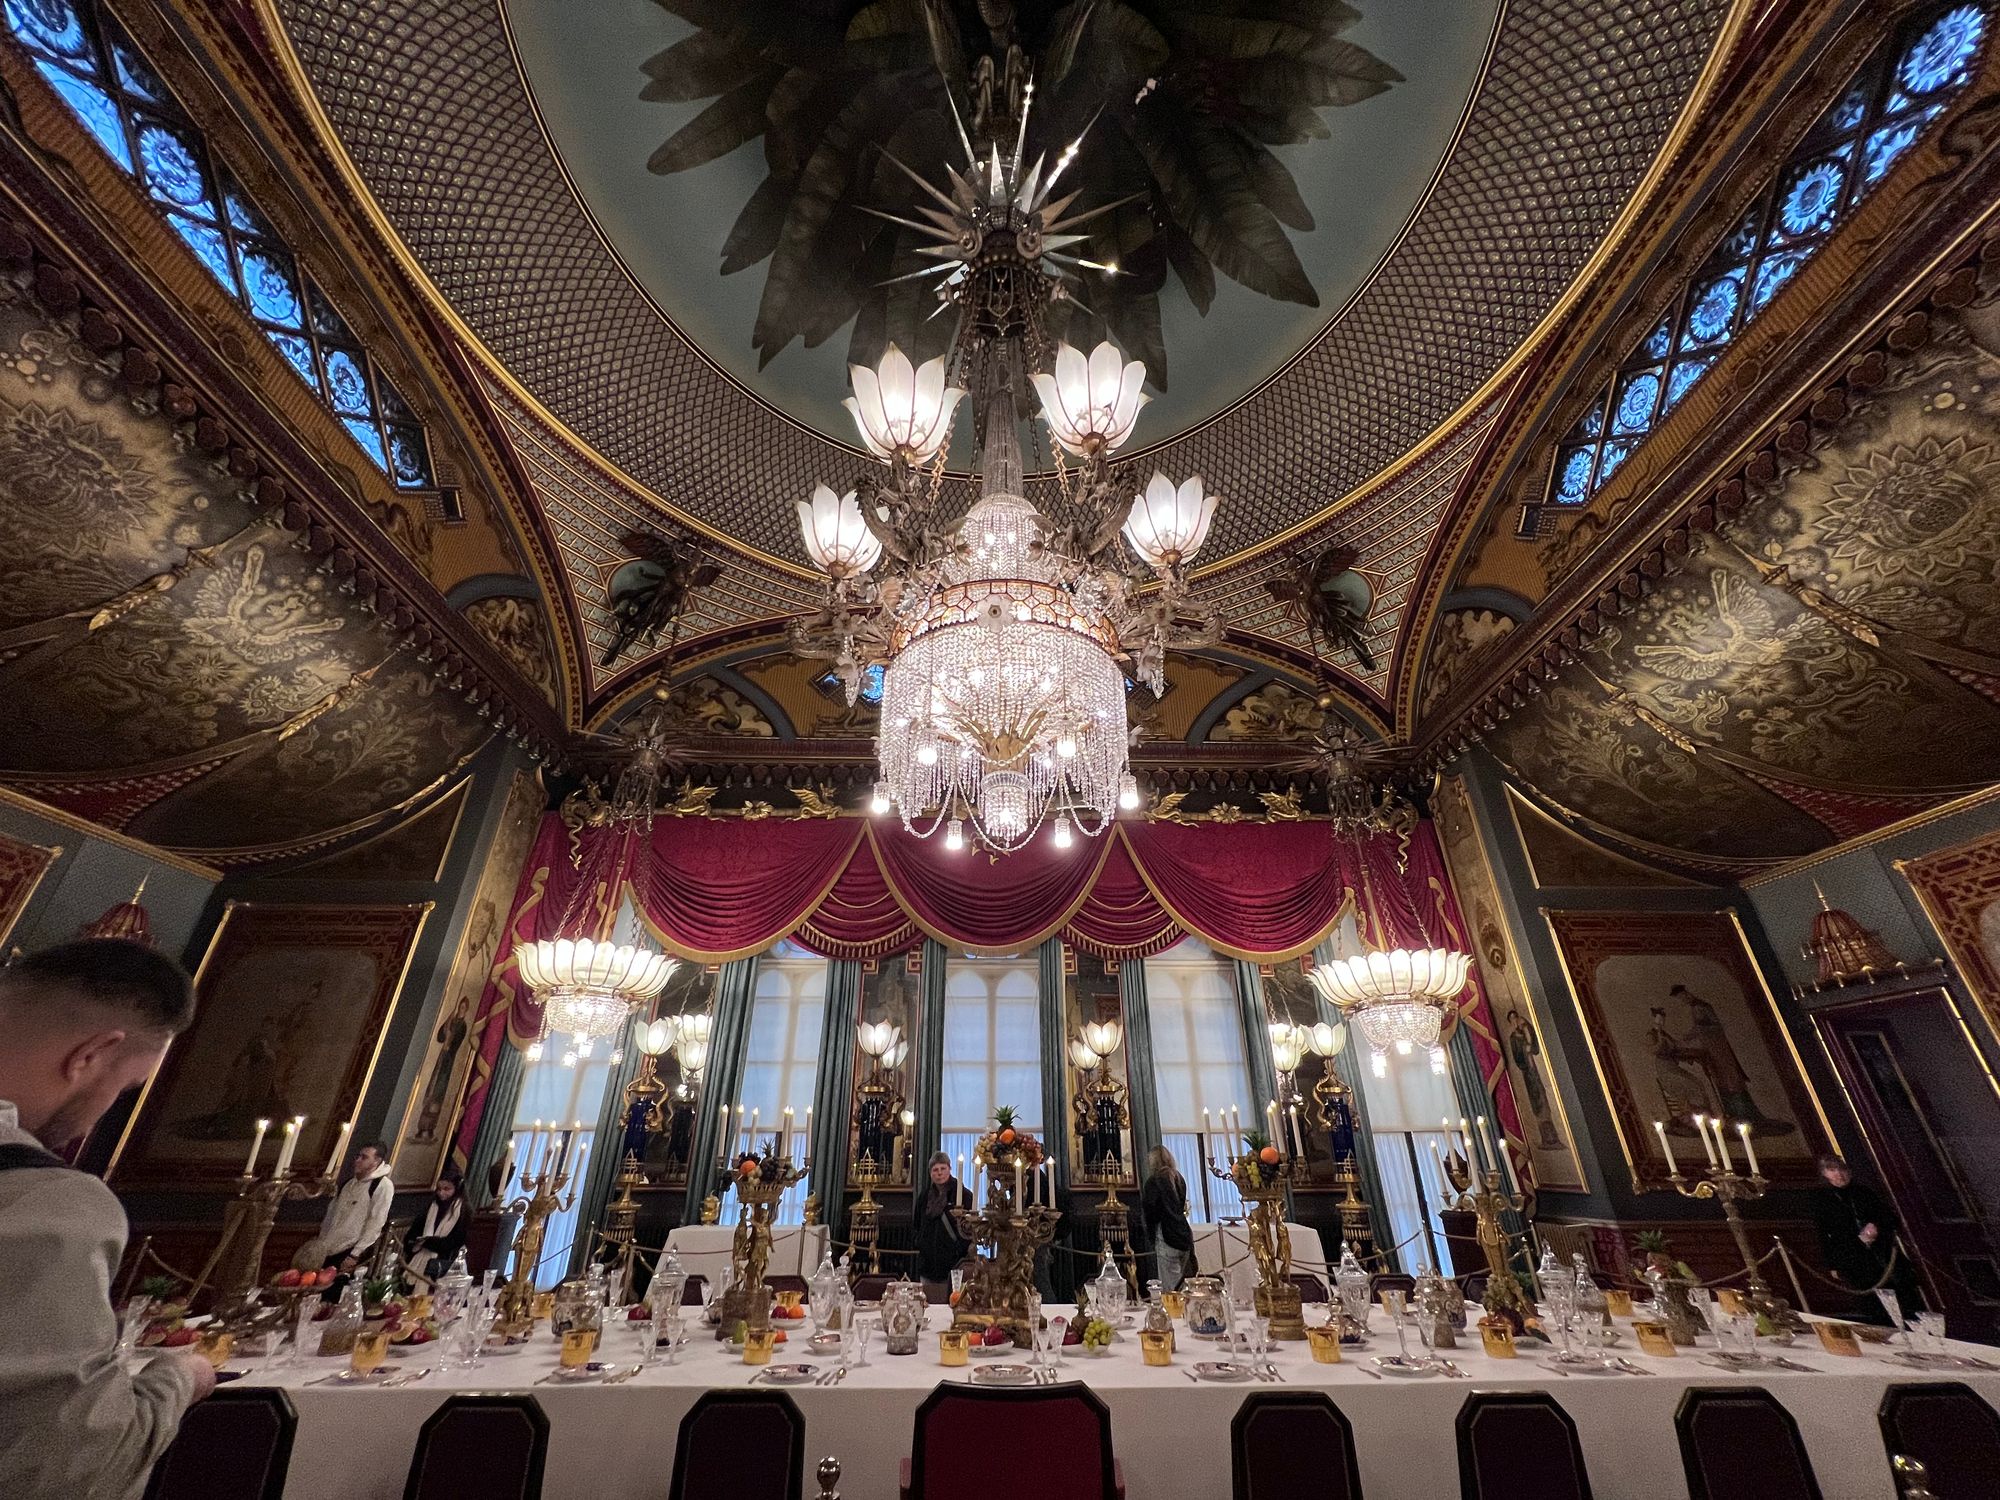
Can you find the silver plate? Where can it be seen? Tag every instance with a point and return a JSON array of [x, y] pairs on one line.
[[1004, 1374], [1222, 1369], [1396, 1364], [790, 1374]]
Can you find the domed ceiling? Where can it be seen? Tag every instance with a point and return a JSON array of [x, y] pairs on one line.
[[1348, 220]]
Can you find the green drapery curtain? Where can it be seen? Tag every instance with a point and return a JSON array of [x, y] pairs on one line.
[[1348, 1066], [606, 1156], [1143, 1096], [928, 1083], [833, 1094], [496, 1124], [729, 1040], [1256, 1041], [1055, 1098]]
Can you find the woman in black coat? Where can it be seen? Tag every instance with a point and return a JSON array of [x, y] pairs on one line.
[[1164, 1207], [437, 1234]]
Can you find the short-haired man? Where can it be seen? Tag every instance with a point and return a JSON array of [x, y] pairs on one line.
[[354, 1220], [79, 1025]]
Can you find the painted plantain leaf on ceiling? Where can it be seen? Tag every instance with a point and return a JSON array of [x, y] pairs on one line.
[[1182, 101]]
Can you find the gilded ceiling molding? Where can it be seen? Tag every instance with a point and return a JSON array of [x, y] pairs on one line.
[[337, 242]]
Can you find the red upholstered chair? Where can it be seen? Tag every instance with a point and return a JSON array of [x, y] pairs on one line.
[[740, 1445], [1513, 1444], [1739, 1443], [236, 1445], [1292, 1445], [480, 1448], [788, 1284], [1950, 1431], [1052, 1443]]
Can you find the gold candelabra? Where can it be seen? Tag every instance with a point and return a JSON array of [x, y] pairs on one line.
[[541, 1195], [758, 1192], [620, 1230], [1262, 1186], [236, 1263], [1113, 1227], [996, 1288], [1483, 1190], [1722, 1183]]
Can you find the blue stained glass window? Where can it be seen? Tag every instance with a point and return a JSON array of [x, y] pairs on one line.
[[137, 77], [369, 437], [1712, 310], [1573, 476], [172, 169], [298, 354], [870, 690], [1637, 397], [1660, 340], [394, 407], [1850, 148], [409, 460], [95, 108], [1683, 376], [267, 278], [346, 384], [51, 25], [209, 247], [1810, 199]]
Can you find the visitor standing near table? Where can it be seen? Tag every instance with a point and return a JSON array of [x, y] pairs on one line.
[[1163, 1206], [940, 1242], [353, 1221], [83, 1023], [1857, 1235]]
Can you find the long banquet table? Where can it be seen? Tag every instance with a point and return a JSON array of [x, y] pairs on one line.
[[1171, 1436]]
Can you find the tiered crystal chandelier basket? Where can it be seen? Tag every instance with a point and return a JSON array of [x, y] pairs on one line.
[[590, 989], [1397, 999], [1006, 635]]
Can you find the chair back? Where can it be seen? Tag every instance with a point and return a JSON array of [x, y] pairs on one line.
[[691, 1291], [480, 1448], [1946, 1427], [1515, 1443], [740, 1445], [236, 1445], [1739, 1443], [870, 1288], [1391, 1281], [1310, 1287], [1292, 1445], [788, 1284], [1052, 1442]]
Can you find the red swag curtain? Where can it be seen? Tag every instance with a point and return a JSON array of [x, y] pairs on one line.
[[713, 890]]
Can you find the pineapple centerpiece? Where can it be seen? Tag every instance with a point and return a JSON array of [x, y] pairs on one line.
[[1007, 1231], [1262, 1175], [760, 1179]]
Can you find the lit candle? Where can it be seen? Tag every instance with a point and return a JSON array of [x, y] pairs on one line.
[[256, 1145], [1486, 1140], [1750, 1151], [1298, 1135], [339, 1149], [753, 1130], [1722, 1144], [1236, 1122], [1701, 1129], [1443, 1175], [722, 1132], [1660, 1130], [1271, 1123], [291, 1144], [1017, 1183], [1465, 1141], [1049, 1184], [785, 1134], [961, 1169], [1206, 1129], [809, 1130]]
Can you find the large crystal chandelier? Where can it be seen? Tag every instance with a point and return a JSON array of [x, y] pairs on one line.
[[1398, 999], [1007, 633], [590, 989]]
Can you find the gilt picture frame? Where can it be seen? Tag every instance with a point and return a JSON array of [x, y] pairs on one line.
[[1680, 1020], [291, 1007], [1959, 890]]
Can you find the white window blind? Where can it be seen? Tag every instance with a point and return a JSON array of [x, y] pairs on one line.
[[1198, 1063], [781, 1060], [992, 1050]]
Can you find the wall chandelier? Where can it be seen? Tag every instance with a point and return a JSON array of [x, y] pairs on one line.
[[1006, 634]]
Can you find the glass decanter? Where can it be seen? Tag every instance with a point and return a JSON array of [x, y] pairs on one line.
[[1157, 1320], [1593, 1311], [1351, 1283], [1108, 1299]]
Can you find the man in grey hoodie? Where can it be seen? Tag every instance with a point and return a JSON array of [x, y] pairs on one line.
[[79, 1025]]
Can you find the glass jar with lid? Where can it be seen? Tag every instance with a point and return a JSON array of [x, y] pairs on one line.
[[1207, 1307]]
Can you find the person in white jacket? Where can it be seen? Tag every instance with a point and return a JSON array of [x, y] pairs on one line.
[[354, 1219], [79, 1025]]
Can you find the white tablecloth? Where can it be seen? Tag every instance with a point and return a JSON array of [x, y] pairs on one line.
[[1215, 1243], [1171, 1436], [704, 1249]]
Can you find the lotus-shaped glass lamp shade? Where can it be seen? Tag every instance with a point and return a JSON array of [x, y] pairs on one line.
[[1399, 998], [877, 1039], [691, 1055], [653, 1038], [903, 410], [893, 1058], [1102, 1037], [1328, 1039], [1080, 1054], [1169, 522], [695, 1026], [1288, 1046], [836, 536], [1091, 404]]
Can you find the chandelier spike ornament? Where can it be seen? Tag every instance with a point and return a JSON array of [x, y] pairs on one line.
[[1007, 634]]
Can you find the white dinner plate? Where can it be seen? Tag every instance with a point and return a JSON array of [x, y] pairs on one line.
[[790, 1374], [1005, 1375], [1396, 1364], [1222, 1369]]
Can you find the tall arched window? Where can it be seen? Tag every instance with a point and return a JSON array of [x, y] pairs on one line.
[[781, 1060], [1850, 148], [120, 100], [992, 1050], [1199, 1064]]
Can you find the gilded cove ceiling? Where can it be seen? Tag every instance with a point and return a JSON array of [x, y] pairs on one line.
[[1349, 220]]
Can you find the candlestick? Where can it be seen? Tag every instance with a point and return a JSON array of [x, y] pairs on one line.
[[1701, 1129], [1486, 1139], [1465, 1142], [753, 1130], [1443, 1175], [1271, 1123], [292, 1128], [1660, 1129], [1750, 1151], [339, 1149], [1049, 1183], [1236, 1122], [961, 1169], [785, 1135], [1205, 1128], [722, 1136], [1722, 1145], [256, 1145], [1298, 1136], [809, 1131]]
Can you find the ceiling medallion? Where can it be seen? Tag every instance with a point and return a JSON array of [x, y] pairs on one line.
[[1005, 635]]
